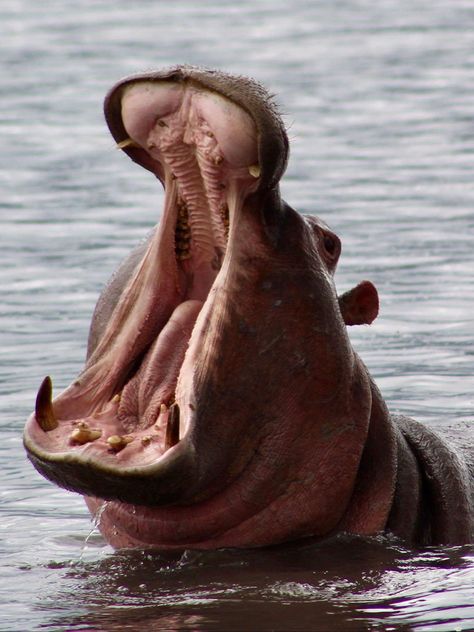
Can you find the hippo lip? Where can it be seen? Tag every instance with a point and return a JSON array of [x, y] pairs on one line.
[[128, 420]]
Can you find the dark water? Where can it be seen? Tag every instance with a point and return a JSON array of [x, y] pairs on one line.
[[379, 101]]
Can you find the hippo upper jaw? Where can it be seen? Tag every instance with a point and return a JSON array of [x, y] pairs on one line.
[[224, 355]]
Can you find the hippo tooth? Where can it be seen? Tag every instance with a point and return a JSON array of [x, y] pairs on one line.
[[83, 435], [44, 406], [117, 442], [254, 171], [81, 424], [182, 245], [128, 142], [172, 429]]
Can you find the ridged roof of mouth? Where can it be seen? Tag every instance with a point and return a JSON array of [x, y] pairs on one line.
[[128, 413]]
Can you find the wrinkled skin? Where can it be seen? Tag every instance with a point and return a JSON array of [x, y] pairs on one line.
[[221, 403]]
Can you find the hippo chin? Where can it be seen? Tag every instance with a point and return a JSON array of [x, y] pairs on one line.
[[221, 403]]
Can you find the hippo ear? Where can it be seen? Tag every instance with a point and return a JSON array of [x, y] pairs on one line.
[[360, 306]]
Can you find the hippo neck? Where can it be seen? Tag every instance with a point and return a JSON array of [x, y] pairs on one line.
[[433, 501], [410, 482]]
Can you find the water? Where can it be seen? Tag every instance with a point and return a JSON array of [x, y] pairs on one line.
[[379, 103]]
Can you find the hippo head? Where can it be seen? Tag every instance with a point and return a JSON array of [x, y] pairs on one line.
[[221, 403]]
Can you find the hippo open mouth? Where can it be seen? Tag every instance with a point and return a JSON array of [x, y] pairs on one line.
[[129, 405], [203, 389]]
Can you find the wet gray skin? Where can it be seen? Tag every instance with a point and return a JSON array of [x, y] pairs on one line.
[[222, 403]]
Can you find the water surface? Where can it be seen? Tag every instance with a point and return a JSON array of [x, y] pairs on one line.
[[379, 102]]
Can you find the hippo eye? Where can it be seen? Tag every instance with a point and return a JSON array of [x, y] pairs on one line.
[[331, 245]]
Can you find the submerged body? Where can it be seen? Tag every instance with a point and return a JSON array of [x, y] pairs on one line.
[[222, 403]]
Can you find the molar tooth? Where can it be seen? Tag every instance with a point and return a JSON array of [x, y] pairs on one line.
[[116, 398], [85, 434], [117, 442], [146, 440], [182, 256], [172, 429], [44, 406], [182, 245], [254, 171], [183, 233]]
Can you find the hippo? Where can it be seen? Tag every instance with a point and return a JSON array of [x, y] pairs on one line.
[[221, 403]]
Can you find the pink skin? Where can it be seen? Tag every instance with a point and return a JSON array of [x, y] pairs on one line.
[[236, 321]]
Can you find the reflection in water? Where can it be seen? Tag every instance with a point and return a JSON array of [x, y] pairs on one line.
[[342, 584]]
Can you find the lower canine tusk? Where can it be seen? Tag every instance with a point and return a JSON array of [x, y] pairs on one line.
[[172, 429], [44, 406]]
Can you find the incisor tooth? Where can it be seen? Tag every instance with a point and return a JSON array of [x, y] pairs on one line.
[[44, 406], [254, 171], [128, 142]]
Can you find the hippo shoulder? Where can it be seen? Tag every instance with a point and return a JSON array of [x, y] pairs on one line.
[[447, 467]]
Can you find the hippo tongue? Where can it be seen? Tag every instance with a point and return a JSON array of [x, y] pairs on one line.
[[155, 381]]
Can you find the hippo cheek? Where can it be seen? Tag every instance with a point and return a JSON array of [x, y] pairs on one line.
[[220, 402]]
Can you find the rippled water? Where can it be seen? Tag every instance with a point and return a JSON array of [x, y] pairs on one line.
[[379, 102]]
